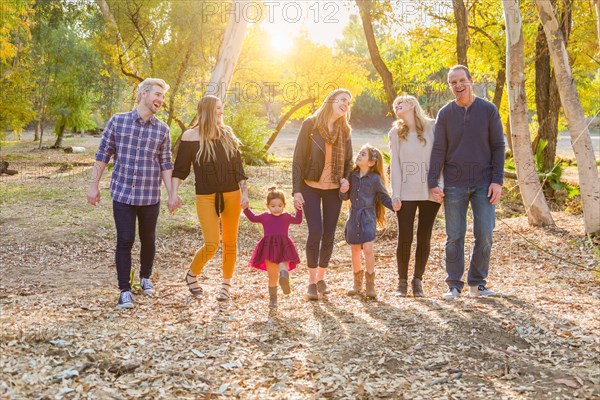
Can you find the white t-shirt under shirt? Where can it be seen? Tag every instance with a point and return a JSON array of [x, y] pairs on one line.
[[409, 165]]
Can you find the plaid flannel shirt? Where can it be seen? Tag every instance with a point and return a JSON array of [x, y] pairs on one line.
[[141, 152]]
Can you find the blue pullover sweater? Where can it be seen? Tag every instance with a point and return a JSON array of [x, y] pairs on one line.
[[468, 144]]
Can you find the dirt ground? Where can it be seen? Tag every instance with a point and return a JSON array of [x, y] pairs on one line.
[[63, 338]]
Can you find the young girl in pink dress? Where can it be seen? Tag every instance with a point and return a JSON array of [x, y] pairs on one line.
[[275, 253]]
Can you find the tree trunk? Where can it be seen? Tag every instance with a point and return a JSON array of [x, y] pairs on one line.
[[462, 30], [229, 52], [500, 82], [59, 136], [284, 119], [134, 90], [41, 133], [36, 135], [547, 99], [508, 134], [233, 39], [538, 213], [178, 81], [365, 7], [547, 110], [580, 135], [597, 6], [41, 113]]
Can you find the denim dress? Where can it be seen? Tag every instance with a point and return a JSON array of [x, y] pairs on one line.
[[363, 194]]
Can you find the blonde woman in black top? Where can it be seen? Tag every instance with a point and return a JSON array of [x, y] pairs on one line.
[[221, 193]]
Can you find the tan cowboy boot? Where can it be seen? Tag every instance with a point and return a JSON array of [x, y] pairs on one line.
[[370, 283], [273, 297], [358, 282]]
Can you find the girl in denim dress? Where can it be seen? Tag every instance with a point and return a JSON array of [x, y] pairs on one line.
[[368, 197]]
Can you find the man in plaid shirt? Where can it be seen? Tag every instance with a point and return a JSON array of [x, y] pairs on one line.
[[141, 147]]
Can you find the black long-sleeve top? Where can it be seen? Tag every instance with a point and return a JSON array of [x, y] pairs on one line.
[[219, 176]]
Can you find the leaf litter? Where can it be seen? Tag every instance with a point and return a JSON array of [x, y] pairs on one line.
[[63, 338]]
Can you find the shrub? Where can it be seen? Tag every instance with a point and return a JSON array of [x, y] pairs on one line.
[[251, 128]]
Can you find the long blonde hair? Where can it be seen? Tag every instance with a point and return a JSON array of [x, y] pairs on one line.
[[324, 112], [421, 119], [211, 129], [375, 155]]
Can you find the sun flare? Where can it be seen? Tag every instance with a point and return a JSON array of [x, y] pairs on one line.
[[281, 43]]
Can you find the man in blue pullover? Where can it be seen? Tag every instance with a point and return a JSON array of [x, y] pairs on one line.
[[469, 147]]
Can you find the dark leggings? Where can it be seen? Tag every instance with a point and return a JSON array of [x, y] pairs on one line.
[[125, 217], [406, 221], [321, 227]]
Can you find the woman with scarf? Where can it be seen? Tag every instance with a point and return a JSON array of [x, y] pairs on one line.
[[321, 167]]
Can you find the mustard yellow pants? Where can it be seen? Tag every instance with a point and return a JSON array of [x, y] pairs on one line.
[[214, 227]]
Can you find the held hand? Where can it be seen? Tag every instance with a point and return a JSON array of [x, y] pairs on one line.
[[396, 204], [244, 202], [437, 194], [93, 195], [494, 193], [175, 202], [298, 201], [344, 185]]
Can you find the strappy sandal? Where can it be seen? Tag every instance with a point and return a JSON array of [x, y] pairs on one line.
[[193, 285], [223, 294]]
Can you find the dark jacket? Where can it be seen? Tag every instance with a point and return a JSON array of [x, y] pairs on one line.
[[364, 194], [309, 155]]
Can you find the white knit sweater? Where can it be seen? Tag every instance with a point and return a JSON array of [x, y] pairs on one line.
[[409, 164]]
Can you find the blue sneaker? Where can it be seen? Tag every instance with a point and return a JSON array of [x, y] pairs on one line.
[[125, 300], [147, 286]]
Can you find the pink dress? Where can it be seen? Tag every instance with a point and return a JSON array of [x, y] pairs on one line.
[[276, 245]]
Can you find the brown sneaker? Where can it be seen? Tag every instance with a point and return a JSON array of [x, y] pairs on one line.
[[417, 288], [370, 283], [312, 292], [402, 287], [358, 282]]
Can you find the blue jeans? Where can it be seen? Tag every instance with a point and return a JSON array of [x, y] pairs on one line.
[[125, 216], [456, 203]]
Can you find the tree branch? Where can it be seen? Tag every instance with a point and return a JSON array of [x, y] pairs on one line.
[[284, 119]]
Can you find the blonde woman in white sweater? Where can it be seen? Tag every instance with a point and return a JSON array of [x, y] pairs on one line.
[[411, 141]]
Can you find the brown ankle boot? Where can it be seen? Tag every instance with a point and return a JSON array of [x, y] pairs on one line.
[[402, 287], [312, 293], [273, 297], [370, 283], [417, 288], [322, 287], [358, 282]]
